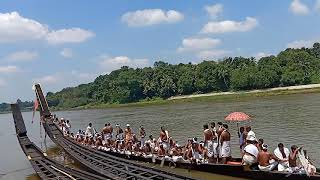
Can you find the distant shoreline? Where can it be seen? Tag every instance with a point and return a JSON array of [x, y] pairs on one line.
[[218, 96]]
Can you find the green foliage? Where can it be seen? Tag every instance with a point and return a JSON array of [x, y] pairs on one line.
[[163, 80], [24, 106]]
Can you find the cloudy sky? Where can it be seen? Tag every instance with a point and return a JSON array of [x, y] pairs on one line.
[[64, 43]]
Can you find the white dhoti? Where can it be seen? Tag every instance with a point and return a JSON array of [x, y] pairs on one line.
[[248, 159], [225, 150], [270, 167], [165, 145], [107, 136], [142, 141], [209, 146]]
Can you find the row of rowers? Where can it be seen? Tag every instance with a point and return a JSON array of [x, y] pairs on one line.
[[215, 147]]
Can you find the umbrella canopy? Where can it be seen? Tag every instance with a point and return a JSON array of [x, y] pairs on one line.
[[237, 117]]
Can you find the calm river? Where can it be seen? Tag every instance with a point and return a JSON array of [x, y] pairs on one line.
[[290, 119]]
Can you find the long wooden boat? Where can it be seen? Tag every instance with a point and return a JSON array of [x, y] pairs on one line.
[[99, 162], [235, 170], [45, 167]]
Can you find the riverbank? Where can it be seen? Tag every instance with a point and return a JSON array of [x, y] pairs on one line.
[[217, 96]]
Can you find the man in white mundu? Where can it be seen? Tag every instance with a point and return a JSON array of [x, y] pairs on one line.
[[282, 153], [225, 146]]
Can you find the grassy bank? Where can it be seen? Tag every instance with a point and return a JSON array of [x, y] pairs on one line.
[[219, 97]]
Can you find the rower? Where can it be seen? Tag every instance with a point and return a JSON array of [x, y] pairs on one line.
[[161, 151], [128, 137], [225, 145], [293, 159], [250, 151], [259, 145], [142, 134], [89, 131], [98, 142], [264, 158], [282, 153]]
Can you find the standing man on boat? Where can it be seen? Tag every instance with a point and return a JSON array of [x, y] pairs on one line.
[[264, 158], [90, 131], [207, 137], [241, 139], [225, 144], [215, 143], [68, 126], [128, 137], [142, 134], [119, 137], [164, 138], [107, 133]]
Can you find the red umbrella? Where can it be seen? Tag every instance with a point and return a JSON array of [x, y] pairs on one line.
[[237, 117]]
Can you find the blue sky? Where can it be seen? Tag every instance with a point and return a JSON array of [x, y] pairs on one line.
[[64, 43]]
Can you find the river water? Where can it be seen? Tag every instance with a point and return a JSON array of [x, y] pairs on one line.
[[290, 119]]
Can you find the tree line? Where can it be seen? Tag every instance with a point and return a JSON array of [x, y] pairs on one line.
[[24, 106], [163, 80]]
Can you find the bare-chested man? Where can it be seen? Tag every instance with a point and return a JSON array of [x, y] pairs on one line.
[[225, 145], [119, 143], [293, 158], [208, 145], [128, 137], [107, 134], [264, 158], [164, 138]]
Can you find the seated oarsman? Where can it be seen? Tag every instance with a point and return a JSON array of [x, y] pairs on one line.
[[225, 145], [266, 160], [282, 153], [98, 142], [194, 153], [293, 159], [161, 151], [259, 145], [147, 149], [128, 137], [250, 152], [91, 141]]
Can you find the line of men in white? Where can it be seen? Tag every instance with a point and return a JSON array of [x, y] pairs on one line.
[[215, 148]]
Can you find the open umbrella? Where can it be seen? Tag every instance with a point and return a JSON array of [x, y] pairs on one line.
[[237, 117]]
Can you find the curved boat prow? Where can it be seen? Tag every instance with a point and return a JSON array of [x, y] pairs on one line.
[[44, 108]]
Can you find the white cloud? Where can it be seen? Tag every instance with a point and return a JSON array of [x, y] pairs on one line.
[[214, 53], [218, 27], [15, 28], [8, 69], [214, 10], [260, 55], [22, 56], [298, 8], [73, 35], [195, 44], [66, 53], [149, 17], [112, 63], [302, 43], [2, 83], [317, 6]]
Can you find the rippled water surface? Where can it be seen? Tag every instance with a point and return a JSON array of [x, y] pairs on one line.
[[290, 119]]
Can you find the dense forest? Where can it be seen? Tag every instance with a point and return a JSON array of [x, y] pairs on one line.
[[163, 80], [24, 106]]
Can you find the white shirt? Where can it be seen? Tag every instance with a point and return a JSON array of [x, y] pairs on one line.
[[252, 149], [89, 131]]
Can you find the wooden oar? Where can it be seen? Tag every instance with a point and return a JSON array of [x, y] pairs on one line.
[[162, 162]]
